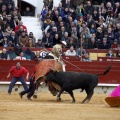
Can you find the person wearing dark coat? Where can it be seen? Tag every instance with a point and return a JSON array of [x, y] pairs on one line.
[[104, 44], [47, 40], [13, 39], [3, 55], [28, 12]]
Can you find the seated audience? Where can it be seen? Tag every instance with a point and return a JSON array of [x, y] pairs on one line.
[[110, 53], [115, 45], [80, 51], [70, 52], [20, 57], [28, 12], [104, 44], [47, 40], [3, 55], [23, 39], [39, 44], [87, 58], [30, 43], [32, 37]]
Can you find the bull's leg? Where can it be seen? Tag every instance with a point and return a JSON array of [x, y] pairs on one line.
[[59, 94], [89, 95], [72, 95], [37, 84]]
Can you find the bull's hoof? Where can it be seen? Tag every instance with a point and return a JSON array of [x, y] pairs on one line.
[[73, 101], [58, 99], [34, 96]]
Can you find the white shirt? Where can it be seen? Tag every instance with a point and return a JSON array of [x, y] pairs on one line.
[[20, 58], [70, 53]]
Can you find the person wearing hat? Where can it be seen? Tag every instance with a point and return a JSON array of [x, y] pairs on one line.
[[39, 44]]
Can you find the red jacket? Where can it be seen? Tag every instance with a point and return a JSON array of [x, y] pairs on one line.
[[18, 27], [18, 72]]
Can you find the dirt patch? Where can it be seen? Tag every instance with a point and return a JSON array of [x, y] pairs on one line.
[[45, 107]]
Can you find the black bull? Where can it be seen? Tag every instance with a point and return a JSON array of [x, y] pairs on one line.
[[69, 81]]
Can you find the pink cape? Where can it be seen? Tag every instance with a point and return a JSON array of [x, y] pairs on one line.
[[115, 92]]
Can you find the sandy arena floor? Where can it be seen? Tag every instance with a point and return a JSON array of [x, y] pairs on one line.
[[45, 107]]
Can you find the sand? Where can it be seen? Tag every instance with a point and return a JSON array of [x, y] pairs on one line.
[[45, 107]]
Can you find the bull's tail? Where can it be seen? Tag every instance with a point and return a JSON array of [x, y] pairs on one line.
[[106, 71]]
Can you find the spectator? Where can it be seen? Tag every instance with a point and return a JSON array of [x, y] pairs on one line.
[[53, 32], [18, 27], [80, 51], [60, 8], [43, 13], [115, 45], [116, 9], [39, 44], [27, 12], [31, 35], [15, 21], [71, 43], [104, 44], [13, 39], [50, 6], [87, 58], [30, 43], [20, 57], [70, 52], [110, 53], [46, 25], [56, 39], [47, 40], [89, 8], [80, 11], [9, 8], [65, 37], [19, 32], [18, 75], [10, 22], [99, 34], [3, 55], [6, 42], [8, 30], [23, 39], [92, 44], [5, 24]]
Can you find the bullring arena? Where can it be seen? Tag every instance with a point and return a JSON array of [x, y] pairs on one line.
[[45, 107]]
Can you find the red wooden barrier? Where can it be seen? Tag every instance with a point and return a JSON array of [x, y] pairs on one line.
[[90, 67]]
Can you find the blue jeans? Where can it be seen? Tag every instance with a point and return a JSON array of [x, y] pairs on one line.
[[16, 79], [30, 90]]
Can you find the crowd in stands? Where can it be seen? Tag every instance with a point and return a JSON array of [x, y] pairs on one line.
[[81, 25]]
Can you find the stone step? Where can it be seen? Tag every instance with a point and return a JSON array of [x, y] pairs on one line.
[[29, 19]]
